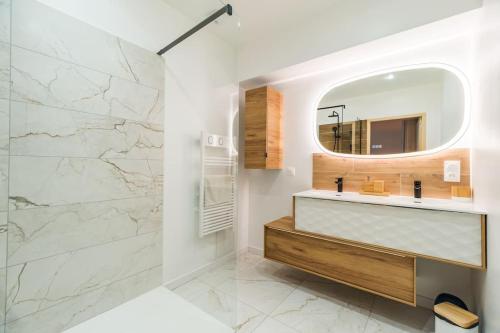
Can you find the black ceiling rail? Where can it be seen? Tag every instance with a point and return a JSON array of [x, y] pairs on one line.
[[227, 9]]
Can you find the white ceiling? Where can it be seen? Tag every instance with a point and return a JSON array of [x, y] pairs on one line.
[[256, 17]]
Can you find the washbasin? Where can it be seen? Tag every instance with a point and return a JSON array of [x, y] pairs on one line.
[[394, 200]]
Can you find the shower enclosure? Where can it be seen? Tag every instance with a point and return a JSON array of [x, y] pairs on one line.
[[81, 169]]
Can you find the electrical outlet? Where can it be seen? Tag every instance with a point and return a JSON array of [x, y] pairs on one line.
[[290, 171], [452, 171]]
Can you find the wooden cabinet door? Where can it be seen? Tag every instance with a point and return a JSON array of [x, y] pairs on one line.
[[255, 128], [263, 139]]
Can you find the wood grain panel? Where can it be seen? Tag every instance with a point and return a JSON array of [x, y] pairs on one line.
[[384, 273], [263, 129], [274, 129], [255, 128], [398, 173]]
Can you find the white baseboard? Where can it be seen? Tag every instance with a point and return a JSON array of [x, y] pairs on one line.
[[179, 281], [256, 251]]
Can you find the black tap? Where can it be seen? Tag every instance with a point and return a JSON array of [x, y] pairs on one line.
[[417, 189], [340, 184]]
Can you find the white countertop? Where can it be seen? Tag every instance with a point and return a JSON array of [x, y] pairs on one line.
[[394, 200]]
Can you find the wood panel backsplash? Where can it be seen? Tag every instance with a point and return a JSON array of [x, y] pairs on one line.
[[398, 173]]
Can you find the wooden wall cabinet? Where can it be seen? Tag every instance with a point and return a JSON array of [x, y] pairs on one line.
[[263, 129]]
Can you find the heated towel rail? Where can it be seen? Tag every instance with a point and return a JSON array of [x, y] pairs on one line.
[[219, 164]]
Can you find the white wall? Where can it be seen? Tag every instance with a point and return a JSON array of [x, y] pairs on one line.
[[270, 191], [200, 94], [486, 161], [348, 23]]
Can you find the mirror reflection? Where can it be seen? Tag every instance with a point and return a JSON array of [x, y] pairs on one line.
[[393, 113]]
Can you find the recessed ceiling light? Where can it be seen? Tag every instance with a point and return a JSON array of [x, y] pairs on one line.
[[390, 77]]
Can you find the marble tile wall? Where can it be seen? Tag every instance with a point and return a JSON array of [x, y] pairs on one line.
[[81, 175], [5, 46]]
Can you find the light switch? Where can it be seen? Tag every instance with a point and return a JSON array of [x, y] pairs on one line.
[[291, 171], [452, 171]]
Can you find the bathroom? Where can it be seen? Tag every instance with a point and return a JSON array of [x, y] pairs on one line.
[[284, 166]]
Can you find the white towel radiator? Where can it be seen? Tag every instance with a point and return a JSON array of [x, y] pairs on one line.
[[217, 158]]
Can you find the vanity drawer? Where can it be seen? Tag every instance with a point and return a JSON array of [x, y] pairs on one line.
[[381, 272]]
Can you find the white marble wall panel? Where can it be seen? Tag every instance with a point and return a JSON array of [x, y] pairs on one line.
[[5, 21], [40, 284], [82, 140], [48, 81], [4, 70], [49, 181], [4, 182], [43, 232], [3, 278], [38, 130], [39, 28], [80, 308], [4, 127]]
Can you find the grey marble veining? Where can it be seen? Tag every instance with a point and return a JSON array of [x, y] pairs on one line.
[[5, 20], [80, 308], [48, 181], [81, 151], [42, 29], [3, 277], [3, 241], [44, 80], [4, 127], [37, 285], [38, 130], [43, 232], [4, 70], [4, 182]]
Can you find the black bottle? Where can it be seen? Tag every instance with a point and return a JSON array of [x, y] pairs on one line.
[[340, 184], [417, 189]]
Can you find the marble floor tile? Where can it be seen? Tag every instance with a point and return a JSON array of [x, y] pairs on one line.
[[309, 312], [230, 311], [42, 232], [273, 326], [38, 130], [264, 295], [267, 270], [391, 317], [339, 293], [219, 275], [192, 289]]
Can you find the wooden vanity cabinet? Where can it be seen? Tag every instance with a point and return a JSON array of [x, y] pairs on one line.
[[263, 129], [385, 273]]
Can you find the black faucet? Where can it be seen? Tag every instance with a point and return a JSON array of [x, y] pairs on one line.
[[340, 184], [417, 189]]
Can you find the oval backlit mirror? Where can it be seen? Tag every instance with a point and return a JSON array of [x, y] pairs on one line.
[[397, 112]]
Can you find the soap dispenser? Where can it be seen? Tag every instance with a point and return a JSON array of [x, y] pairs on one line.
[[417, 189]]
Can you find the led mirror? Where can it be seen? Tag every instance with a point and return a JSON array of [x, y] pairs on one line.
[[396, 112]]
